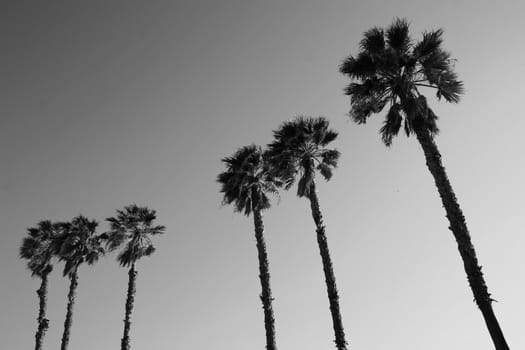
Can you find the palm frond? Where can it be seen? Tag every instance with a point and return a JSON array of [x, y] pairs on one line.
[[373, 41], [361, 67], [430, 43], [392, 124], [449, 87], [397, 36]]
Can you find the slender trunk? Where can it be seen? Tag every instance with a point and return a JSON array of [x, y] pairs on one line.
[[43, 322], [124, 345], [264, 275], [69, 314], [459, 228], [331, 287]]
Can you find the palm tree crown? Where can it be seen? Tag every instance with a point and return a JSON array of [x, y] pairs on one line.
[[299, 148], [79, 244], [391, 69], [133, 226], [247, 180], [39, 247]]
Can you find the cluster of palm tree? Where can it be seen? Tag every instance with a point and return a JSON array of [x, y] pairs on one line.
[[390, 70], [77, 242]]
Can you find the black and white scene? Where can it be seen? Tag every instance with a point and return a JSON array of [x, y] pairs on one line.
[[262, 174]]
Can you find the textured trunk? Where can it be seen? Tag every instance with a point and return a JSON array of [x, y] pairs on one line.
[[69, 314], [458, 227], [264, 275], [331, 287], [129, 307], [43, 322]]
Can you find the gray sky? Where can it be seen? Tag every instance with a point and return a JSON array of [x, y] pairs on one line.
[[107, 103]]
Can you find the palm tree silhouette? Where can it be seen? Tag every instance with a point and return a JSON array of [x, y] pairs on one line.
[[38, 249], [298, 151], [77, 244], [131, 228], [391, 69], [246, 183]]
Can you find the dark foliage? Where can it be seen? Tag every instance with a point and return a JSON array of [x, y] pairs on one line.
[[247, 180], [390, 69], [132, 227], [299, 149]]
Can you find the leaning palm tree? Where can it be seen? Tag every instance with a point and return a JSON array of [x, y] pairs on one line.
[[132, 228], [78, 244], [246, 183], [299, 151], [392, 70], [38, 249]]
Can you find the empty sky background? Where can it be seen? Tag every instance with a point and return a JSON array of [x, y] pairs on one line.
[[108, 103]]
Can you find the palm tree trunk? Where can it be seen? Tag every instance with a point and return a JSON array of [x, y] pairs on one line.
[[124, 345], [43, 322], [331, 287], [69, 314], [264, 275], [459, 228]]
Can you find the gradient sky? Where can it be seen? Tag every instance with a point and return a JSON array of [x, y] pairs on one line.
[[107, 103]]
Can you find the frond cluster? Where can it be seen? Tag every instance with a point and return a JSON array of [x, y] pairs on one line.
[[299, 149], [38, 248], [247, 182], [76, 242], [132, 228], [390, 69]]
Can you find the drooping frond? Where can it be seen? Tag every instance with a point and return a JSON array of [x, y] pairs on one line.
[[392, 124], [131, 228]]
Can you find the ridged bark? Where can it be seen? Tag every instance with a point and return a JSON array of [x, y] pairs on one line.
[[69, 314], [124, 345], [331, 287], [264, 276], [43, 322], [459, 228]]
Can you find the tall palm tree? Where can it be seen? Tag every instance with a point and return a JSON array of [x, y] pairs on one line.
[[78, 244], [38, 249], [299, 151], [132, 228], [246, 183], [392, 70]]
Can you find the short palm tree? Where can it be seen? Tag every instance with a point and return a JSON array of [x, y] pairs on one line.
[[132, 228], [78, 244], [392, 70], [299, 151], [38, 249], [246, 184]]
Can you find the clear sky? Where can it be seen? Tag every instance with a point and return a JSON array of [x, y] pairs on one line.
[[108, 103]]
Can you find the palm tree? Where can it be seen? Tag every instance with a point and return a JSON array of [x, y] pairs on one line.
[[78, 244], [392, 70], [246, 183], [132, 228], [298, 151], [38, 249]]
